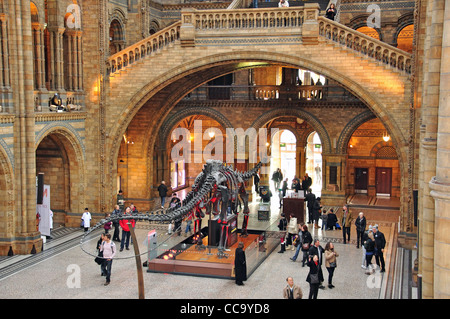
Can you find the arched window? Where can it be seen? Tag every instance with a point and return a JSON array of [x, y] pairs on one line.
[[405, 38], [116, 37], [371, 32]]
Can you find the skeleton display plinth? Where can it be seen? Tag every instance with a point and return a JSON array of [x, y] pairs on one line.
[[189, 258]]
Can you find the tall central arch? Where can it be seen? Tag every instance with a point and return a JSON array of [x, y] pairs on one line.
[[161, 95]]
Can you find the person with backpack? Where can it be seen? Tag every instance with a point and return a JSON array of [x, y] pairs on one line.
[[109, 251]]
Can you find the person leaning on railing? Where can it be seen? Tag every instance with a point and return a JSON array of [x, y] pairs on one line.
[[283, 4]]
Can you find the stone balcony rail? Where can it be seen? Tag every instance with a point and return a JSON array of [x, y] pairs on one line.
[[271, 93], [238, 22], [146, 47], [232, 19], [365, 45]]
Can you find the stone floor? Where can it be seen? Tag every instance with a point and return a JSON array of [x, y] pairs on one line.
[[66, 271]]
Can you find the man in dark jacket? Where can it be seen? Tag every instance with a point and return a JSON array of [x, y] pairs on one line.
[[310, 199], [277, 177], [360, 228], [316, 211], [115, 213], [256, 180], [162, 190], [306, 183], [380, 243]]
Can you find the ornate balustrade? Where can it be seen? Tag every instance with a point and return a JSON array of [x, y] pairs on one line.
[[271, 92], [244, 18], [365, 45], [228, 22], [143, 48]]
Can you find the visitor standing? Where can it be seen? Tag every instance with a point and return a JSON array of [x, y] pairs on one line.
[[363, 246], [109, 251], [256, 180], [360, 224], [370, 250], [316, 209], [282, 226], [298, 242], [277, 177], [126, 233], [86, 219], [314, 276], [306, 183], [306, 244], [121, 200], [317, 250], [310, 199], [240, 266], [330, 262], [107, 225], [380, 243], [162, 190], [115, 214], [331, 12], [346, 222]]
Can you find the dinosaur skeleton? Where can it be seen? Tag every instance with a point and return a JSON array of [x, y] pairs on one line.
[[216, 188]]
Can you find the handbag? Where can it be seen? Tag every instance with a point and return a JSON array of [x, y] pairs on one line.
[[99, 259], [305, 246], [314, 278], [333, 264]]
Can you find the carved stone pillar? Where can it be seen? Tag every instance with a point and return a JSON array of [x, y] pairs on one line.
[[56, 58], [440, 185], [4, 61], [433, 46], [39, 62]]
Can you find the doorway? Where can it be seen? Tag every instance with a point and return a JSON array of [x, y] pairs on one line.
[[383, 180], [361, 180]]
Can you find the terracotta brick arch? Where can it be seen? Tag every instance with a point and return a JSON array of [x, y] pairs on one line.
[[170, 122], [350, 128], [378, 146], [304, 115], [377, 103], [160, 92]]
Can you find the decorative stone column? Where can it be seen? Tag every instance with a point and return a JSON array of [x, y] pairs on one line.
[[4, 58], [39, 61], [56, 58], [440, 185], [433, 45]]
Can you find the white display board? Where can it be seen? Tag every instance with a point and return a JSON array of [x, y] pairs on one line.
[[46, 216]]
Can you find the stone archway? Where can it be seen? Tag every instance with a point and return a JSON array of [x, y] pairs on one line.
[[60, 156], [302, 114], [171, 86], [7, 219]]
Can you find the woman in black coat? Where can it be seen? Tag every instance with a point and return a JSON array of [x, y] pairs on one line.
[[240, 266], [306, 243], [315, 276], [331, 12]]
